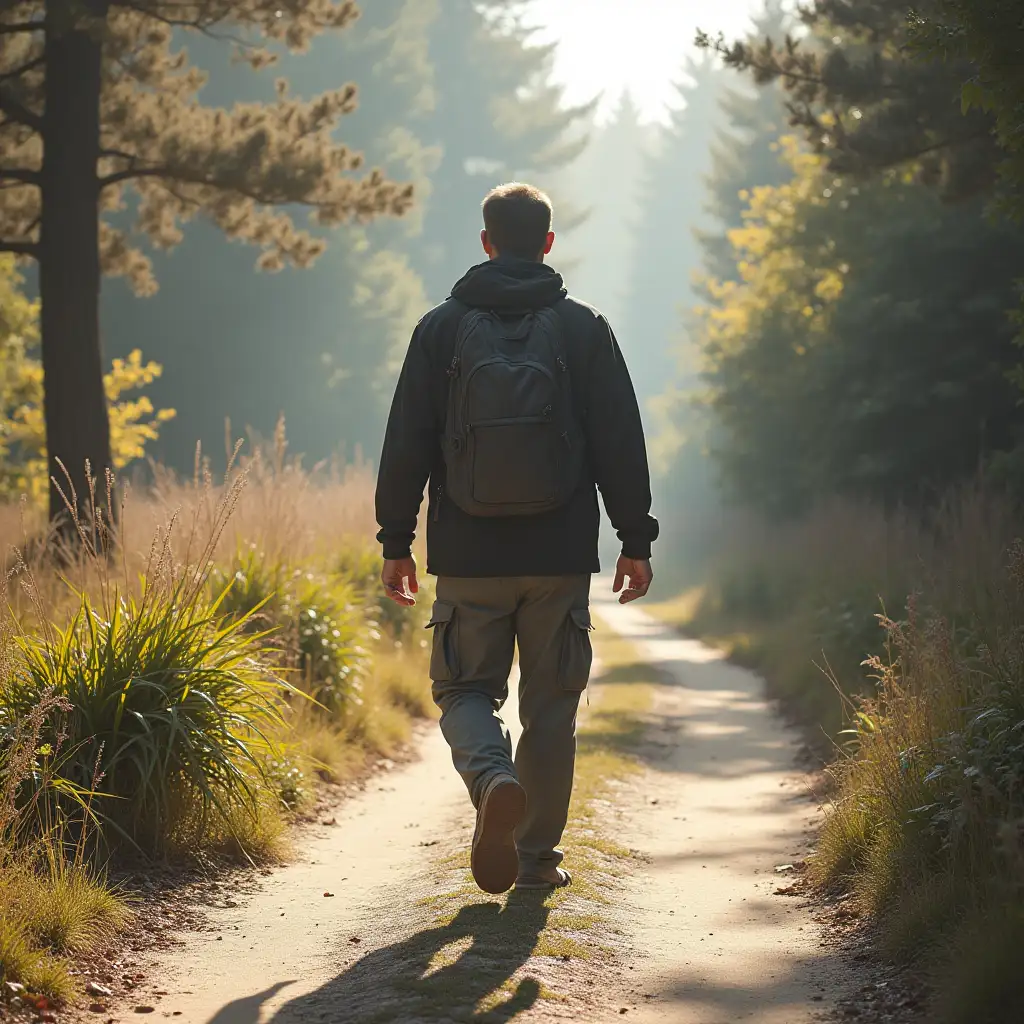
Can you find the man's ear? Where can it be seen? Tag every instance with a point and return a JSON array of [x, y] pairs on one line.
[[549, 242], [486, 243]]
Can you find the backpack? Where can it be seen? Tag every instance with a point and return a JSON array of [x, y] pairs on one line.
[[512, 444]]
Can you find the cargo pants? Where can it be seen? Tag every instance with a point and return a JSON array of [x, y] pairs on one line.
[[476, 625]]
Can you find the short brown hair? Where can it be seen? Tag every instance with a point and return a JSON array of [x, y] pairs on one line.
[[518, 218]]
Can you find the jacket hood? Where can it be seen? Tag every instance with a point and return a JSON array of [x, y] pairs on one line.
[[513, 284]]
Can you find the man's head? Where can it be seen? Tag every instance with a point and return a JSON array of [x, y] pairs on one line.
[[517, 222]]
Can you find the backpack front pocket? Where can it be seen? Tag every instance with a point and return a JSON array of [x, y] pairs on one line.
[[515, 463], [577, 651], [444, 653], [513, 428]]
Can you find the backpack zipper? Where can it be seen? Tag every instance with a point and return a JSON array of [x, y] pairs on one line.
[[439, 493]]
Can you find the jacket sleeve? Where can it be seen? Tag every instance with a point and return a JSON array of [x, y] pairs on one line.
[[408, 453], [618, 452]]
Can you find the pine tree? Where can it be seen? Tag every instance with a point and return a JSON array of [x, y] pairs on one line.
[[745, 153], [867, 103], [96, 98], [672, 210]]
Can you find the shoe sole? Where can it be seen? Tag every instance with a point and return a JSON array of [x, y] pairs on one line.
[[495, 861]]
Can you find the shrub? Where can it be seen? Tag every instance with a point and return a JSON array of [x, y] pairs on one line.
[[164, 702], [327, 631], [247, 591]]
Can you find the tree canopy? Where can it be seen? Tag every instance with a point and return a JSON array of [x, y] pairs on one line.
[[866, 102], [860, 343]]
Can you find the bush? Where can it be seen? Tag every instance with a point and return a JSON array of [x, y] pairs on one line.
[[248, 590], [326, 634]]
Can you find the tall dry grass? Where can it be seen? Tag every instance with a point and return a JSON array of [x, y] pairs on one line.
[[186, 674]]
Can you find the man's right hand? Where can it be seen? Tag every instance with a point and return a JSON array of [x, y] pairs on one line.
[[640, 575], [399, 579]]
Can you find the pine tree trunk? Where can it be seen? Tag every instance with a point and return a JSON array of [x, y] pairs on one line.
[[77, 426]]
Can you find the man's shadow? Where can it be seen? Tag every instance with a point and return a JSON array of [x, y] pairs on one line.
[[398, 983]]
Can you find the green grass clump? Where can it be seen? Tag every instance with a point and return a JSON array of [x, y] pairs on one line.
[[166, 707], [50, 910], [317, 625]]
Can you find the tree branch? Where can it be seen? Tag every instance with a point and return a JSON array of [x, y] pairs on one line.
[[17, 111], [19, 248], [196, 25], [20, 174], [142, 172], [118, 154], [18, 72], [23, 26], [177, 176]]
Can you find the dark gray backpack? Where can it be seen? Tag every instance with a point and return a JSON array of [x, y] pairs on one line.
[[512, 445]]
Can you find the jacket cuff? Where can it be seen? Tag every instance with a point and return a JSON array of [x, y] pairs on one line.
[[395, 549], [638, 550]]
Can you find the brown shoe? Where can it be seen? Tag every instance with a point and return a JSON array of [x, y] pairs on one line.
[[494, 860]]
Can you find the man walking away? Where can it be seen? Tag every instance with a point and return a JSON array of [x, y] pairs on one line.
[[515, 404]]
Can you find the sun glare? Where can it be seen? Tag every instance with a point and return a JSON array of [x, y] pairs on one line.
[[608, 46]]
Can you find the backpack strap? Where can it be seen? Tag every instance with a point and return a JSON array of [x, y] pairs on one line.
[[455, 428]]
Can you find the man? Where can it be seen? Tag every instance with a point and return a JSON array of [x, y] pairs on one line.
[[516, 405]]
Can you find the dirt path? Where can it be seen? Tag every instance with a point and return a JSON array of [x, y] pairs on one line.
[[693, 934], [720, 945]]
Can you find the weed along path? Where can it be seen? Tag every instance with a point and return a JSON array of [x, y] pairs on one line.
[[688, 799]]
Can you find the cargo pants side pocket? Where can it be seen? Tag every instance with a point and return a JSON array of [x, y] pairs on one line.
[[577, 651], [444, 653]]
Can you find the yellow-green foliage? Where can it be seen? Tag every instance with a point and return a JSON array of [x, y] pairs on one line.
[[133, 420]]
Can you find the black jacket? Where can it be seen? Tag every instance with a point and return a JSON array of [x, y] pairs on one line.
[[558, 543]]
